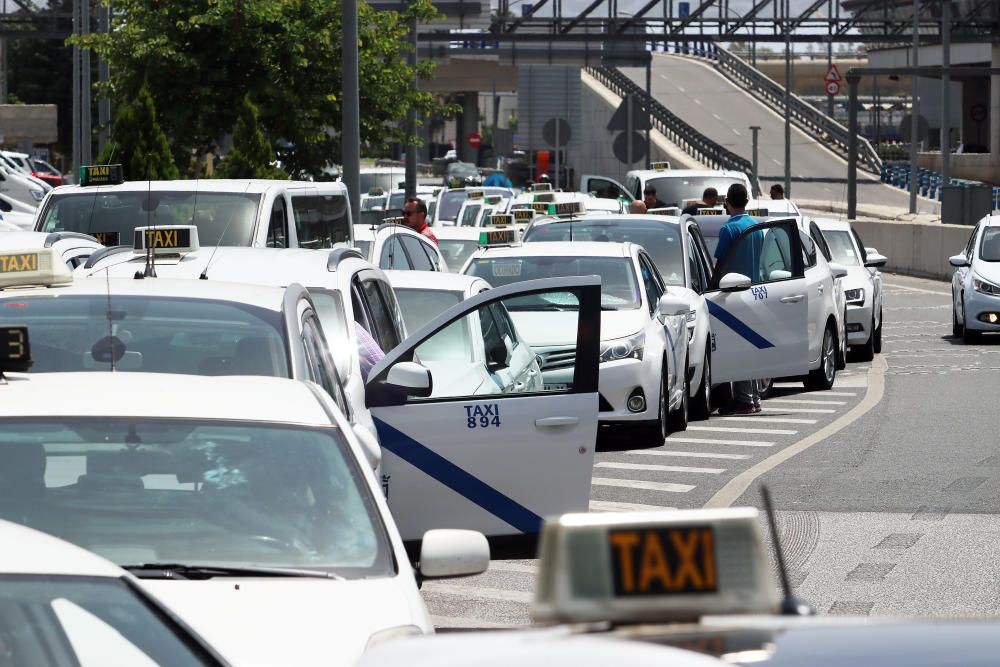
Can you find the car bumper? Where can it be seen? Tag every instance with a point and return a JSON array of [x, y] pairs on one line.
[[979, 305], [620, 380], [859, 324]]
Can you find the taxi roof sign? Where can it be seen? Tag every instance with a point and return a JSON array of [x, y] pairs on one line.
[[396, 220], [476, 194], [166, 239], [660, 166], [666, 210], [545, 197], [757, 212], [499, 220], [652, 567], [567, 208], [493, 199], [494, 238], [33, 267], [714, 210], [523, 214], [101, 174], [541, 187]]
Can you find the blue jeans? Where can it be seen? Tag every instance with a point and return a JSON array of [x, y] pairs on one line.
[[746, 394]]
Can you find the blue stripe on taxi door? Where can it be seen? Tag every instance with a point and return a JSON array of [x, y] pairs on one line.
[[738, 326]]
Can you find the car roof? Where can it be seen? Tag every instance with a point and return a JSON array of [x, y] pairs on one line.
[[829, 224], [236, 264], [244, 185], [28, 551], [27, 239], [682, 173], [161, 395], [262, 297], [591, 216], [433, 280], [558, 249], [457, 233]]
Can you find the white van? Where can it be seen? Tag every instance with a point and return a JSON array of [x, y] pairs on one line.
[[231, 212]]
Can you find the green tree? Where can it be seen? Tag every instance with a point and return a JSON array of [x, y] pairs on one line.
[[201, 56], [138, 142], [252, 154]]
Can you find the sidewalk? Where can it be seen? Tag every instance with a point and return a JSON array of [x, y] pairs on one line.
[[867, 212]]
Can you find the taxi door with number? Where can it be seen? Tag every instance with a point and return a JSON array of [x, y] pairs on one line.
[[462, 448], [760, 330]]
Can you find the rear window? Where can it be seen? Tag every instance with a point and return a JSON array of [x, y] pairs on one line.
[[321, 220], [152, 335]]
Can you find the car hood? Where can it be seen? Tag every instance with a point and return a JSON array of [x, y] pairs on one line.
[[547, 329], [857, 277], [988, 270], [288, 621]]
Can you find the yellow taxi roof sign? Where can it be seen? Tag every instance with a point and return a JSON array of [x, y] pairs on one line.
[[666, 210], [166, 239], [523, 214], [660, 166], [757, 212], [567, 208], [33, 267], [717, 210], [499, 220], [541, 187], [494, 238], [101, 174], [476, 194], [397, 220], [652, 567]]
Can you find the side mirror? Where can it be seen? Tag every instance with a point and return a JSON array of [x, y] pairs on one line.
[[875, 260], [734, 282], [453, 553], [410, 377], [369, 444], [838, 270], [958, 260], [670, 305], [871, 251]]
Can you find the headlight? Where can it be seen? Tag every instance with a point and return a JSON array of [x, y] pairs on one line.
[[37, 195], [623, 348], [855, 295], [981, 285]]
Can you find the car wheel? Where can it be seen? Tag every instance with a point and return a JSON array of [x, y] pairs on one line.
[[823, 377], [701, 404], [878, 334], [764, 387], [657, 432], [866, 352], [842, 348], [957, 330], [679, 417], [968, 335]]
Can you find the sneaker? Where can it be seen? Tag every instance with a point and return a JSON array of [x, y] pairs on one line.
[[757, 409], [746, 410]]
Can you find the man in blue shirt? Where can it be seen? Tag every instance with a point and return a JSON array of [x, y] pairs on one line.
[[498, 179], [744, 259]]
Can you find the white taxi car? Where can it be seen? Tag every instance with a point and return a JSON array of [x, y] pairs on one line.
[[61, 600], [256, 518], [644, 342], [391, 245], [862, 285], [674, 187], [450, 201], [679, 255], [975, 285], [458, 243]]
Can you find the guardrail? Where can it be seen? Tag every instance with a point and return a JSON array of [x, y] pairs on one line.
[[687, 138], [929, 182], [803, 114]]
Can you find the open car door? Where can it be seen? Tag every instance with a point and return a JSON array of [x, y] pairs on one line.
[[472, 437], [759, 306], [603, 187]]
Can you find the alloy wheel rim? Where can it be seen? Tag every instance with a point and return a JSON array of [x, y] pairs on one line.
[[828, 356]]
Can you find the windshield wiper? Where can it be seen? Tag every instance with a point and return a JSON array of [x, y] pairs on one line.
[[182, 571]]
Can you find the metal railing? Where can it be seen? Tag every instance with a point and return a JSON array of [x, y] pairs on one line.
[[825, 129], [688, 139]]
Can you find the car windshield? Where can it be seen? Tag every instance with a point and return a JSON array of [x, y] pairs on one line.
[[457, 252], [87, 621], [72, 333], [989, 251], [222, 218], [673, 190], [842, 248], [193, 492], [462, 169], [661, 240], [371, 203], [619, 288]]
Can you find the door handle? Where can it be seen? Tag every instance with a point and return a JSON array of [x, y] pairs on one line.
[[794, 298], [550, 422]]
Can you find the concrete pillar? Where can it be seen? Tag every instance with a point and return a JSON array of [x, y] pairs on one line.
[[467, 123], [995, 108]]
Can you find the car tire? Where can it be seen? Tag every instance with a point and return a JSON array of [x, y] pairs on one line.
[[678, 420], [957, 330], [878, 334], [866, 352], [842, 348], [701, 404], [969, 335], [823, 377], [655, 434]]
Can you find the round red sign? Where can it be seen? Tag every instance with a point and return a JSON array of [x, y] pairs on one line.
[[832, 88], [475, 139]]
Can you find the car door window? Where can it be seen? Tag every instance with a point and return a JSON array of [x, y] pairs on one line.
[[393, 255], [764, 253], [861, 246], [653, 290], [432, 255], [320, 364], [321, 220], [808, 250], [418, 258], [604, 188], [820, 241], [385, 329], [696, 271], [5, 206], [972, 242], [277, 227]]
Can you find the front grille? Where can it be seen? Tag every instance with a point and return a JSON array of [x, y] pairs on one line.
[[558, 359]]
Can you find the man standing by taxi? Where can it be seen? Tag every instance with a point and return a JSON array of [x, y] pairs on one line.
[[650, 199], [415, 217], [709, 199], [745, 259]]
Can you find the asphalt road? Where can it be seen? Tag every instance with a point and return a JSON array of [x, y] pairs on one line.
[[887, 486], [694, 90]]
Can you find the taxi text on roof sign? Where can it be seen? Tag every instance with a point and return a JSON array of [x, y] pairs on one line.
[[392, 221], [500, 219], [498, 237], [107, 238], [540, 207], [101, 174], [20, 262], [757, 212], [523, 214], [660, 166], [33, 267], [15, 349], [566, 208], [545, 197], [476, 194], [167, 240], [643, 567]]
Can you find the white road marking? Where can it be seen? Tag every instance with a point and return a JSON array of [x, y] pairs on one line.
[[767, 420], [653, 467], [716, 116], [710, 441], [477, 592], [917, 289], [798, 410], [693, 455], [697, 101], [737, 132], [840, 393], [803, 401], [733, 429], [639, 484], [611, 506], [508, 566]]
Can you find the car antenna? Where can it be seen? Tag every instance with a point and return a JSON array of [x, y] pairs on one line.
[[93, 202], [149, 271], [791, 605], [111, 329], [204, 272]]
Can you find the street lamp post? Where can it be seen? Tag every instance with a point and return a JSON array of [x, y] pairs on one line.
[[350, 138]]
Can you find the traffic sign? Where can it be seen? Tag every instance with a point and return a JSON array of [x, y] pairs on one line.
[[833, 74], [557, 132], [475, 139], [620, 146], [832, 88], [620, 119]]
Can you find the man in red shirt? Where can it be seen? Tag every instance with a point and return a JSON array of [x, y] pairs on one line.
[[415, 217]]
